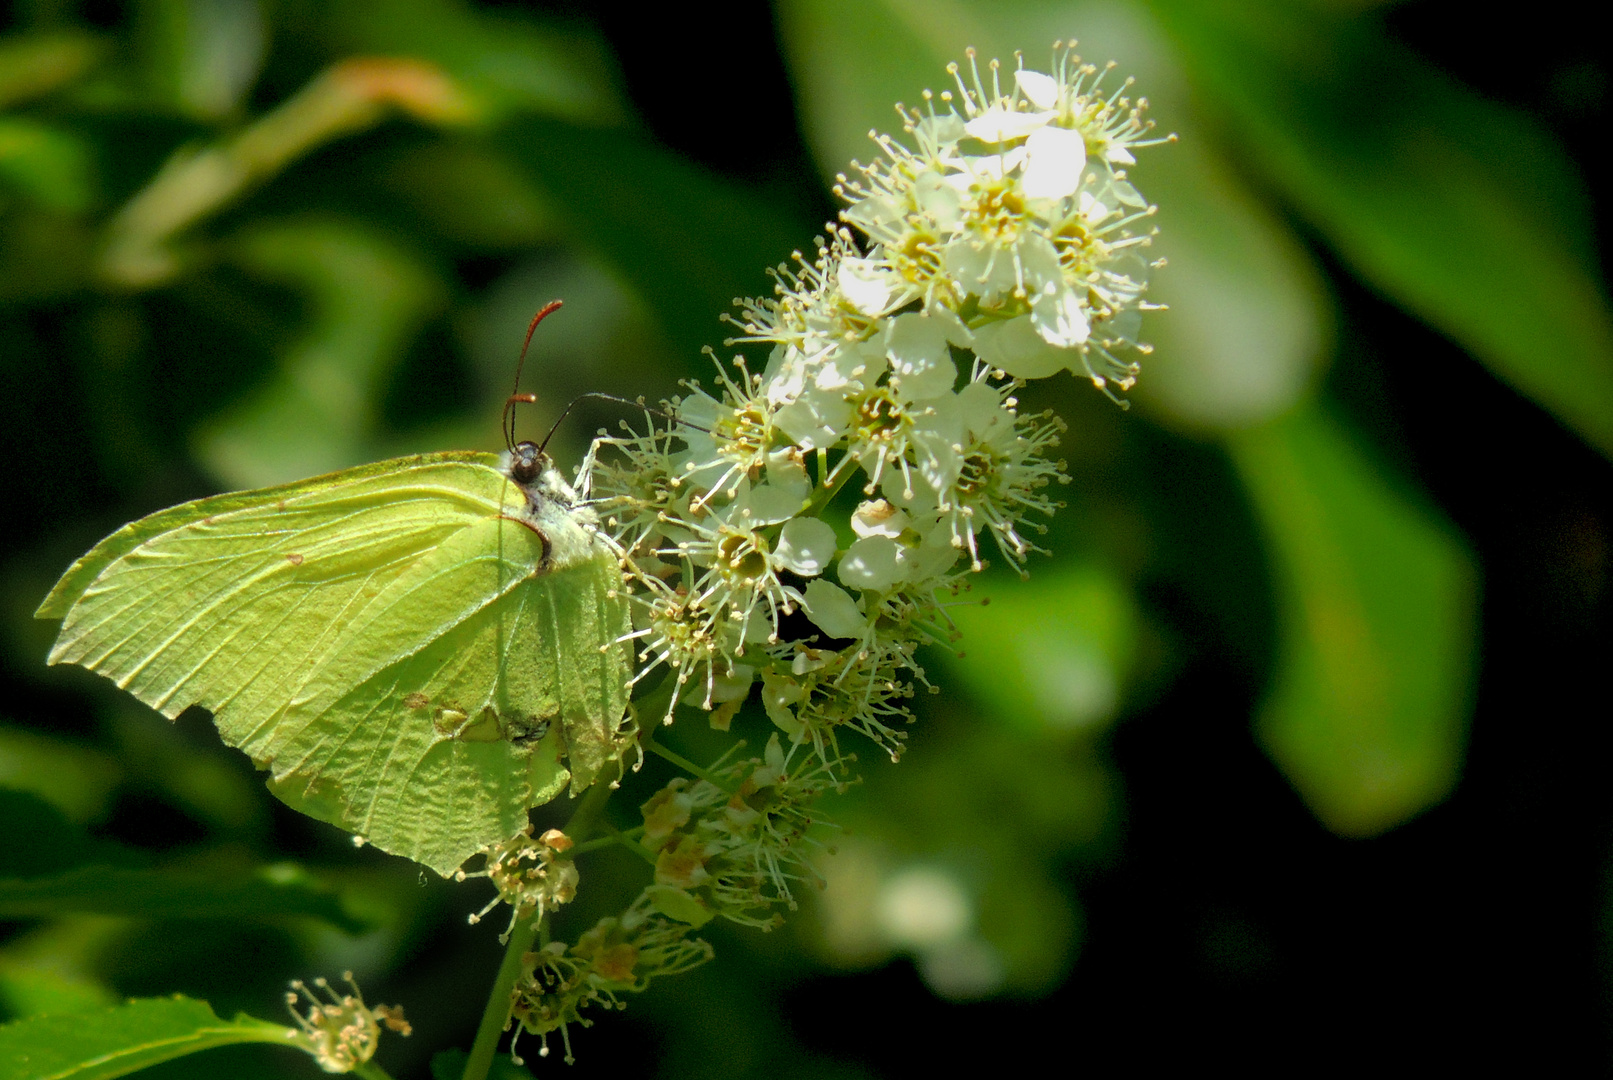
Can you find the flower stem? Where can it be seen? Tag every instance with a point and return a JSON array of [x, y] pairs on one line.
[[613, 836], [369, 1070], [497, 1014], [682, 762], [830, 485], [630, 843]]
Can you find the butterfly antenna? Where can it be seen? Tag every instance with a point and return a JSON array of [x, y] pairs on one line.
[[516, 397], [639, 404]]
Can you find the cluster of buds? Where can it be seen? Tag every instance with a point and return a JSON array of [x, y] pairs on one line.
[[340, 1032], [619, 955], [999, 244], [530, 875], [732, 843]]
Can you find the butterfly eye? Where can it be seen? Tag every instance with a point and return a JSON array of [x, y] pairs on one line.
[[526, 463]]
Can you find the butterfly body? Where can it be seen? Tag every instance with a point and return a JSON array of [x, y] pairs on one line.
[[417, 650]]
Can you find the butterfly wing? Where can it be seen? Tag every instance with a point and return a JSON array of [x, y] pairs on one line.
[[389, 641]]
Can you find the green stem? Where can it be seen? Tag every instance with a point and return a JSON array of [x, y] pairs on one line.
[[614, 837], [369, 1070], [682, 762], [826, 492], [630, 844], [497, 1014]]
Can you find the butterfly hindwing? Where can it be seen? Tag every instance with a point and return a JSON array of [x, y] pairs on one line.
[[389, 642]]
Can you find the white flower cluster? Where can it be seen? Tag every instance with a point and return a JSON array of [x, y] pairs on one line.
[[1000, 243]]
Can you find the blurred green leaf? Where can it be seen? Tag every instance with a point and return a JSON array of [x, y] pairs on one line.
[[955, 857], [222, 893], [470, 194], [1377, 602], [1050, 654], [52, 968], [202, 56], [206, 780], [41, 842], [1464, 211], [122, 1039], [32, 65], [850, 62], [368, 298], [687, 240], [513, 65], [74, 779], [35, 990], [1245, 332], [50, 166], [51, 867]]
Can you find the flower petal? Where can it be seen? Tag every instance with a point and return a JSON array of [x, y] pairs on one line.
[[832, 610], [1016, 347], [805, 546], [876, 517], [1054, 158], [921, 363], [1039, 89], [868, 284], [998, 124], [1060, 319], [874, 562]]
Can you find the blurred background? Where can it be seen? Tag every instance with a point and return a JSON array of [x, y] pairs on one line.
[[1294, 752]]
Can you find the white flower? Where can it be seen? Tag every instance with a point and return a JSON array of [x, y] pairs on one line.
[[1002, 228]]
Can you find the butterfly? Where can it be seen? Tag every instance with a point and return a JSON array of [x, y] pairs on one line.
[[417, 650]]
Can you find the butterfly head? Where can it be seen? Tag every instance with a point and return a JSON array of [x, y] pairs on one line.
[[527, 463]]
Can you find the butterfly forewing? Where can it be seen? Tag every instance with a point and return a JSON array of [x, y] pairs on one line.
[[387, 641]]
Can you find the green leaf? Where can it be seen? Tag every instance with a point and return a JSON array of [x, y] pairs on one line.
[[512, 64], [122, 1039], [687, 240], [1465, 212], [40, 841], [368, 299], [50, 867], [1049, 654], [280, 889], [1377, 605], [48, 165], [56, 966], [32, 65], [201, 59], [75, 779], [850, 62]]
